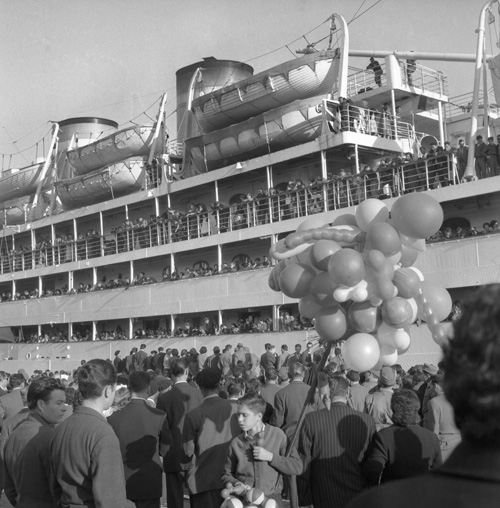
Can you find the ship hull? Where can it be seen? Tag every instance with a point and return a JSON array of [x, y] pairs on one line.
[[274, 130], [304, 77], [131, 142], [107, 183]]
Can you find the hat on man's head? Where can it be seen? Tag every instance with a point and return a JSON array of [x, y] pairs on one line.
[[428, 368], [387, 376], [208, 378], [239, 344]]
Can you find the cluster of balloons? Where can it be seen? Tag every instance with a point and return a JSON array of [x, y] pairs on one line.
[[355, 278]]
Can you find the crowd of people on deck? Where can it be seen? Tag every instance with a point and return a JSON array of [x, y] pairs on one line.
[[240, 262], [298, 425], [287, 323], [286, 200]]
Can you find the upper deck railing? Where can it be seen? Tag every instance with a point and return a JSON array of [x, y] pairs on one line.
[[390, 179], [417, 75], [462, 104]]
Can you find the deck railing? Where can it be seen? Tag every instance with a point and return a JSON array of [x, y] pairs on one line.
[[339, 191], [418, 76]]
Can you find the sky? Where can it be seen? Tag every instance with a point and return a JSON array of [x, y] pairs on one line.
[[114, 58]]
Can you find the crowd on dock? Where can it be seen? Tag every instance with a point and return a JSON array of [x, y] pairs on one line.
[[233, 427]]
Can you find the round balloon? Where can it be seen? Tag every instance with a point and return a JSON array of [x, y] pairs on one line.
[[313, 222], [364, 317], [388, 355], [361, 352], [383, 237], [322, 251], [294, 280], [273, 283], [348, 219], [417, 215], [371, 211], [347, 267], [321, 290], [438, 300], [397, 312], [402, 340], [331, 323], [408, 256], [407, 281], [386, 335], [308, 307]]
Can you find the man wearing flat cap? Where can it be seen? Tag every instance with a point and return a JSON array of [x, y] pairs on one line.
[[206, 438], [378, 403]]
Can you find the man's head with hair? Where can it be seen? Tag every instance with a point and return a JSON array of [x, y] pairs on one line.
[[339, 388], [178, 367], [254, 402], [405, 405], [296, 371], [271, 374], [208, 379], [216, 350], [203, 350], [46, 396], [253, 385], [353, 376], [139, 381], [269, 347], [284, 348], [17, 380], [175, 352], [94, 376], [472, 367], [235, 388], [40, 389]]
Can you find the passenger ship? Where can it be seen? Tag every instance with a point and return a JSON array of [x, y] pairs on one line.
[[125, 236]]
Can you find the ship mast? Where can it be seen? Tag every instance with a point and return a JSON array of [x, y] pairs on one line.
[[470, 172], [48, 161]]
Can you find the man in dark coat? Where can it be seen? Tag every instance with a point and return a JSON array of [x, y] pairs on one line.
[[177, 402], [143, 434], [11, 403], [140, 358], [206, 438], [471, 475], [26, 454], [269, 360], [332, 444]]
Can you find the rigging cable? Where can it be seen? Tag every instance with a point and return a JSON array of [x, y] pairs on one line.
[[364, 12]]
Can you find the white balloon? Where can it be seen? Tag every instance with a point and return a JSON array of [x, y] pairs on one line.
[[342, 294], [402, 339], [388, 355]]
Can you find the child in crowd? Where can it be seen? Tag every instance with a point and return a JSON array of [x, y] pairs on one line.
[[257, 456]]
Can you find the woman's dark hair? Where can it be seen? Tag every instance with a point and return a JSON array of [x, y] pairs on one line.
[[471, 367], [94, 376], [40, 389], [405, 406]]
